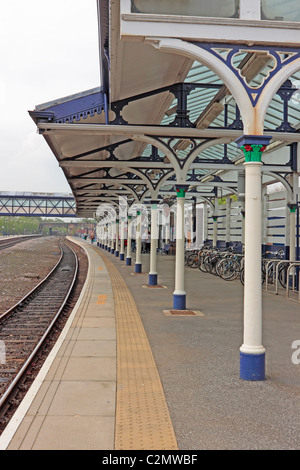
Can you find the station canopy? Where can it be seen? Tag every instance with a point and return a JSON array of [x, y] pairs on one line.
[[103, 138]]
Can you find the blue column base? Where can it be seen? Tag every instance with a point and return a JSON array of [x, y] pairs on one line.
[[116, 253], [152, 279], [138, 267], [179, 301], [128, 261], [112, 251], [108, 249], [121, 256], [252, 366]]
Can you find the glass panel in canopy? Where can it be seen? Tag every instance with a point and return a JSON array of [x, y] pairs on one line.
[[280, 10], [211, 8]]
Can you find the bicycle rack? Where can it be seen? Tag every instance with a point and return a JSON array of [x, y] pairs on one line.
[[293, 264], [268, 263], [278, 263]]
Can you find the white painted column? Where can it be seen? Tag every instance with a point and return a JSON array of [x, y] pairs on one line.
[[99, 234], [253, 292], [215, 230], [153, 245], [292, 206], [205, 219], [243, 225], [102, 236], [179, 294], [264, 216], [138, 244], [110, 241], [117, 238], [113, 236], [107, 236], [215, 223], [167, 232], [227, 229], [241, 201], [252, 351], [129, 234], [292, 232], [122, 254], [292, 240]]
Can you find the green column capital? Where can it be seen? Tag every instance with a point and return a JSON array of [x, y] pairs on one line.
[[253, 146], [181, 189], [154, 203], [292, 207], [253, 152]]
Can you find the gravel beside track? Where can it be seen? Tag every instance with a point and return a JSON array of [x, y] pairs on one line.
[[23, 266]]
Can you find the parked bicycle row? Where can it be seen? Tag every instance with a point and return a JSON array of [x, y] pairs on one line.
[[224, 263], [228, 264]]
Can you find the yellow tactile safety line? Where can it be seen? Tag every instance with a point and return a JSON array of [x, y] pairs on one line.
[[142, 416]]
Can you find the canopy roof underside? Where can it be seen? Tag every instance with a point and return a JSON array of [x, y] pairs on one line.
[[104, 147]]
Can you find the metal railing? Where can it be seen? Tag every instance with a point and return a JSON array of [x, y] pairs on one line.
[[272, 275], [293, 287]]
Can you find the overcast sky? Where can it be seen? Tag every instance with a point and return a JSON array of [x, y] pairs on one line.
[[48, 49]]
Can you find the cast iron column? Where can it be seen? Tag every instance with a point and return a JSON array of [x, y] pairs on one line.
[[252, 352], [179, 294], [153, 245]]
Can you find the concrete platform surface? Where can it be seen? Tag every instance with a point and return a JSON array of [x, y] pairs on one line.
[[139, 376]]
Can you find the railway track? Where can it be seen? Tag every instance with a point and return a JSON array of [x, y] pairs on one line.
[[9, 242], [25, 327]]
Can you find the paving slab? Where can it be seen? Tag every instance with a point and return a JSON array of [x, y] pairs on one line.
[[197, 357], [159, 380]]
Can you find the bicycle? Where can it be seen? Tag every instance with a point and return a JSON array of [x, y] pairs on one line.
[[189, 256], [193, 258], [229, 268], [271, 268]]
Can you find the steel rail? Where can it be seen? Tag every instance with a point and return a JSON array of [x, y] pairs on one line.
[[24, 367], [8, 242], [34, 289]]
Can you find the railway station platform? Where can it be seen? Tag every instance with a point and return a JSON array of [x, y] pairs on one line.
[[129, 373]]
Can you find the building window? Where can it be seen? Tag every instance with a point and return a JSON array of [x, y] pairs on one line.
[[204, 8], [279, 10]]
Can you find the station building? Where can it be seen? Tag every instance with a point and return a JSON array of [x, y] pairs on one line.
[[198, 104]]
